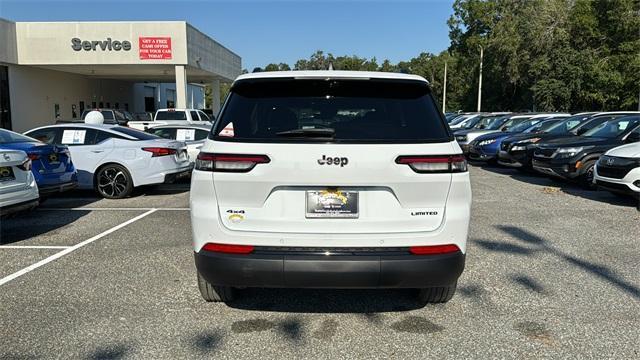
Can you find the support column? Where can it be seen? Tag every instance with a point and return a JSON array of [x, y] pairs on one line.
[[181, 87], [215, 96]]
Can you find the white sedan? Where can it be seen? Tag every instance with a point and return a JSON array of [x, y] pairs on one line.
[[193, 135], [113, 160], [18, 188]]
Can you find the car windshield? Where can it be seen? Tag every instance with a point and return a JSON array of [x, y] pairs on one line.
[[541, 126], [10, 137], [614, 128], [566, 125], [525, 124], [471, 122], [140, 135], [490, 123], [460, 119], [171, 115], [346, 111]]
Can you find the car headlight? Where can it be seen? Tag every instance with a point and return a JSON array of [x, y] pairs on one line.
[[486, 142], [527, 141], [567, 152]]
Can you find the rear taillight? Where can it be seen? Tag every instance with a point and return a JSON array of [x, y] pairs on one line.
[[33, 156], [228, 248], [26, 165], [229, 162], [159, 151], [434, 249], [434, 164]]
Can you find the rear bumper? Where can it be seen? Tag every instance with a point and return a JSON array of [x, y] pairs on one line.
[[289, 270], [57, 188], [171, 178], [14, 208]]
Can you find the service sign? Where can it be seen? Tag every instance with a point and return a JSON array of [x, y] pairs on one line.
[[155, 48]]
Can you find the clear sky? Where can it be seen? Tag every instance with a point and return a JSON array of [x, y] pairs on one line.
[[266, 31]]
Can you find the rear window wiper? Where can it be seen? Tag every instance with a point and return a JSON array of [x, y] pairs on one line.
[[322, 132]]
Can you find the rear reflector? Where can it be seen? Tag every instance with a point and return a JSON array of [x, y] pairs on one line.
[[434, 249], [229, 162], [228, 248], [434, 164], [159, 151]]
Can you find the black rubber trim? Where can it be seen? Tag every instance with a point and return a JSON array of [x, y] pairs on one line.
[[383, 268]]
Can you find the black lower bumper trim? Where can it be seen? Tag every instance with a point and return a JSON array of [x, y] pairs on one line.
[[328, 271], [23, 206], [58, 188]]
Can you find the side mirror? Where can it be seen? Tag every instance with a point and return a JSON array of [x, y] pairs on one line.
[[633, 137], [505, 128]]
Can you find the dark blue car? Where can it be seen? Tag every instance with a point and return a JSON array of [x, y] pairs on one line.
[[51, 165], [486, 147]]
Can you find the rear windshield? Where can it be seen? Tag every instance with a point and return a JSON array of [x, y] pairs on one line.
[[342, 111], [140, 135], [171, 115], [9, 137]]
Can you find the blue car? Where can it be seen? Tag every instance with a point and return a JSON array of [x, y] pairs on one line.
[[51, 165], [486, 147]]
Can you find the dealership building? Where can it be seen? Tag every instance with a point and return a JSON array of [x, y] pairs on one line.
[[54, 70]]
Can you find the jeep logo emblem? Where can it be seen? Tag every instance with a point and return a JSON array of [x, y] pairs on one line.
[[342, 161]]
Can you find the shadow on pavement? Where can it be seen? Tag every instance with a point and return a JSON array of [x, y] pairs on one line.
[[327, 301]]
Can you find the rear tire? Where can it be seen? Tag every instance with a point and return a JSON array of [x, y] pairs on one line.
[[113, 181], [212, 293], [435, 295]]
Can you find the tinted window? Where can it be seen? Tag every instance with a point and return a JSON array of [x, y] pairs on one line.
[[342, 110], [203, 116], [194, 115], [201, 134], [73, 136], [102, 136], [525, 124], [171, 115], [46, 135], [9, 137], [163, 133], [140, 135]]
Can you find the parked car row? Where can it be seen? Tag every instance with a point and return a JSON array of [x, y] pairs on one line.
[[595, 149], [108, 158]]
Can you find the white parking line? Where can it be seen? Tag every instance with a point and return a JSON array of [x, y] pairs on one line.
[[71, 249], [32, 247], [110, 209]]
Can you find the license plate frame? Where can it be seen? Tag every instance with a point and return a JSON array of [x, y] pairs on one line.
[[332, 204], [6, 173]]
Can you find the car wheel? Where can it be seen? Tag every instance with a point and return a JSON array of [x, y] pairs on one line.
[[113, 181], [440, 294], [587, 177], [212, 293]]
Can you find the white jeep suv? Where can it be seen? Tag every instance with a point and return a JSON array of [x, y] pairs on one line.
[[330, 179]]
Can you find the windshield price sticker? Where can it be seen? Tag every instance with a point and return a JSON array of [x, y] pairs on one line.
[[186, 135], [73, 136]]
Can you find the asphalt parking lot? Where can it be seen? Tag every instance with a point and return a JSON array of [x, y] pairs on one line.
[[552, 272]]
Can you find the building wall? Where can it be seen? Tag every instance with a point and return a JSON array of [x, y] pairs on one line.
[[207, 54], [49, 43], [36, 91], [8, 51]]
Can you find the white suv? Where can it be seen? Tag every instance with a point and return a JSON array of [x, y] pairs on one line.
[[330, 179]]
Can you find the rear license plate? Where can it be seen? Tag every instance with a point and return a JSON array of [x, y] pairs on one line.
[[6, 173], [332, 203]]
